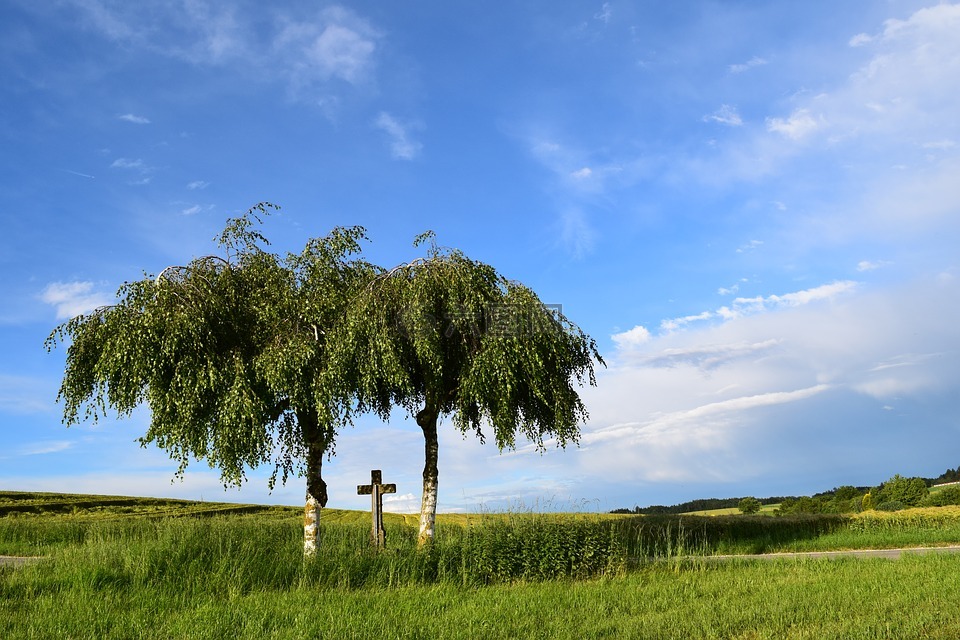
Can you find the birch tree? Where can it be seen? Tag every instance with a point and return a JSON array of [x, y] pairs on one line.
[[227, 353], [449, 336]]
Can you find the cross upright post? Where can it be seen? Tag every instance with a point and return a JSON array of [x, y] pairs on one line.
[[376, 489]]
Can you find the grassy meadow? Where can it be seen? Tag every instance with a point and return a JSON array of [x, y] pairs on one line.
[[155, 569]]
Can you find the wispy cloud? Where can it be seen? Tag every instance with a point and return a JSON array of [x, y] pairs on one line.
[[742, 306], [198, 32], [871, 265], [604, 14], [138, 167], [42, 448], [198, 184], [135, 119], [750, 246], [307, 51], [797, 126], [725, 115], [759, 304], [707, 357], [338, 45], [402, 503], [755, 61], [73, 298], [402, 146], [126, 163], [576, 233]]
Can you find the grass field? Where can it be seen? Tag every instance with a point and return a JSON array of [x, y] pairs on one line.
[[198, 572], [766, 510]]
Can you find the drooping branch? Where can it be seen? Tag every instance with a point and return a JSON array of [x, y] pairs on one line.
[[187, 268]]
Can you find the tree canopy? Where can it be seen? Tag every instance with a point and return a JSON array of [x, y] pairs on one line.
[[447, 335], [226, 352], [250, 358]]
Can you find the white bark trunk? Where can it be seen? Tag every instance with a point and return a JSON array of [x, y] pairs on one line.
[[428, 512], [311, 526], [427, 419]]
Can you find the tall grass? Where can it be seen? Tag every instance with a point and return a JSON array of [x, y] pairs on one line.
[[238, 554]]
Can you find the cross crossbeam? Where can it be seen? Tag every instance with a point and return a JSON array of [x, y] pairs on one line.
[[376, 489]]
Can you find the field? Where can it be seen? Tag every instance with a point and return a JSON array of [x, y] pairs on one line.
[[169, 569]]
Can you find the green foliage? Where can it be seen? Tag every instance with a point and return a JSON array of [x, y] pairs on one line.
[[226, 351], [451, 335], [943, 497], [908, 491], [847, 493], [749, 505], [804, 504]]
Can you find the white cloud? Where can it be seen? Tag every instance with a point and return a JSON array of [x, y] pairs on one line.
[[726, 291], [632, 338], [725, 115], [750, 246], [73, 298], [871, 265], [860, 39], [748, 306], [126, 163], [799, 125], [576, 233], [676, 323], [401, 503], [744, 306], [401, 144], [338, 45], [604, 14], [581, 174], [197, 184], [710, 404], [941, 145], [710, 356], [41, 448], [755, 61], [307, 51], [135, 119], [189, 211]]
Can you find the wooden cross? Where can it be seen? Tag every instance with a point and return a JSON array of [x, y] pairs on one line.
[[376, 489]]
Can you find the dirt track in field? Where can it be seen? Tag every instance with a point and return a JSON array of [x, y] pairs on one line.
[[17, 561], [890, 554]]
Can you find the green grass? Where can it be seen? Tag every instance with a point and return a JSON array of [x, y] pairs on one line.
[[242, 575], [766, 510]]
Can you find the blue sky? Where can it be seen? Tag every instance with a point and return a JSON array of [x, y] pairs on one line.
[[753, 207]]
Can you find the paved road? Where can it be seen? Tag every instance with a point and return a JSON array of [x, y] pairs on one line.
[[892, 554]]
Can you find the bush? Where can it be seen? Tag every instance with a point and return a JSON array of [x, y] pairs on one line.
[[944, 497], [909, 491], [749, 505]]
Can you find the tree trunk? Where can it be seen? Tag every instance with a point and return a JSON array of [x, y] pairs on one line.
[[316, 444], [427, 419]]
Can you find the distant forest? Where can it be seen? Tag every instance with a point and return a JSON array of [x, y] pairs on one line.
[[843, 493]]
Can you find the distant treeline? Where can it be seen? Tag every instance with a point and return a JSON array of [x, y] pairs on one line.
[[836, 500], [950, 475], [704, 504]]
